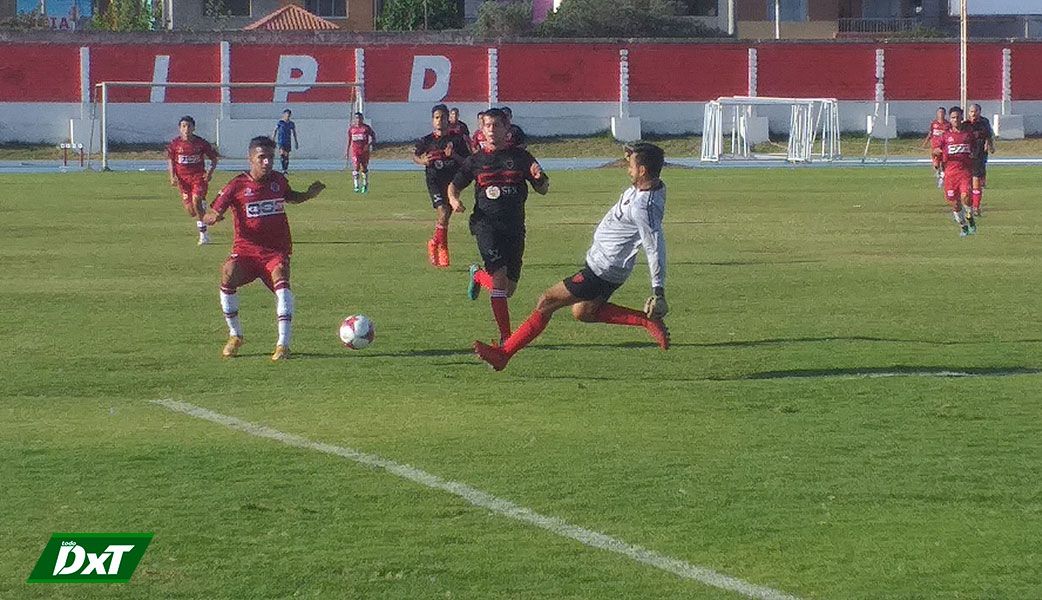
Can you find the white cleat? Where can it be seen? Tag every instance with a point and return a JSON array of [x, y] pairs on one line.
[[204, 239]]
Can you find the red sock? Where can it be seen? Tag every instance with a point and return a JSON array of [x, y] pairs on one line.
[[528, 331], [484, 279], [501, 312], [620, 315], [441, 235], [975, 198]]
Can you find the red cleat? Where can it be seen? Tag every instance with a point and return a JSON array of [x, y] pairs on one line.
[[432, 252], [659, 332], [443, 255], [492, 355]]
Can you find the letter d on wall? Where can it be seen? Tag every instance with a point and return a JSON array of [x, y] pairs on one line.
[[296, 73], [441, 67]]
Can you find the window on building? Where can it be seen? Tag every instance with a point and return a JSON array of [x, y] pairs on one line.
[[791, 10], [699, 8], [227, 8], [327, 8]]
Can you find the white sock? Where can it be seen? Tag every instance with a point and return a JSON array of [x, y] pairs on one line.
[[365, 178], [354, 175], [957, 215], [230, 306], [284, 311], [201, 226]]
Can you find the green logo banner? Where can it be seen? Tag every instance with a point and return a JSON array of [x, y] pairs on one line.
[[90, 558]]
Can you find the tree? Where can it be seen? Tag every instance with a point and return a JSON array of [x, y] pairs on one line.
[[420, 15], [129, 15], [504, 19], [623, 19]]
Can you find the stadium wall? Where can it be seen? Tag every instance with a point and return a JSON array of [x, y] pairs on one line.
[[554, 88]]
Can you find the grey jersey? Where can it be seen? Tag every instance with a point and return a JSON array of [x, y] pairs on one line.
[[635, 220]]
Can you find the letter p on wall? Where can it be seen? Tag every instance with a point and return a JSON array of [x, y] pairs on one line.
[[296, 74]]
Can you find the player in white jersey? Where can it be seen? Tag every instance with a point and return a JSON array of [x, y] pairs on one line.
[[634, 221]]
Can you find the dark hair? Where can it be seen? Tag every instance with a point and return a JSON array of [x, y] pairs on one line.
[[261, 141], [942, 108], [506, 110], [649, 156], [287, 112], [454, 110], [440, 107], [957, 109], [358, 114], [186, 119], [977, 106], [496, 113]]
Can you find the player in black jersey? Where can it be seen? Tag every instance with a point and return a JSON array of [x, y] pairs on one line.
[[457, 127], [984, 142], [501, 174], [441, 153], [515, 135]]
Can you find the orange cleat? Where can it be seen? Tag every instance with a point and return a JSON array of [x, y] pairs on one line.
[[432, 252], [443, 255], [231, 348], [492, 355], [281, 353], [659, 332]]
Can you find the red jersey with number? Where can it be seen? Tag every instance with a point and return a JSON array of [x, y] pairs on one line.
[[937, 131], [360, 137], [259, 208], [189, 155], [957, 150]]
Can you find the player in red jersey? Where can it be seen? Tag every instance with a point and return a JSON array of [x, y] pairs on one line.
[[262, 245], [957, 154], [985, 139], [360, 138], [457, 127], [938, 127], [441, 154], [477, 141], [515, 135], [187, 154], [501, 174]]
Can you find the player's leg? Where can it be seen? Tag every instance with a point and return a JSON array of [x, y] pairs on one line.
[[187, 189], [363, 170], [235, 272], [278, 273], [977, 192], [438, 245], [550, 301], [595, 308], [284, 158], [199, 206], [355, 164], [503, 256]]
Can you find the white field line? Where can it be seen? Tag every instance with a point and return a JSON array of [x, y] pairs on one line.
[[496, 505]]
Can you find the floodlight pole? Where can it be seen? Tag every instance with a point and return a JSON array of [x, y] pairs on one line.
[[963, 39]]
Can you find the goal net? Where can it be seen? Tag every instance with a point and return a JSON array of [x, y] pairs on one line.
[[813, 128], [226, 114]]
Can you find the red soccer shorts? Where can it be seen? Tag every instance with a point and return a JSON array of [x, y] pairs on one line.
[[192, 186], [259, 265], [956, 185], [360, 159]]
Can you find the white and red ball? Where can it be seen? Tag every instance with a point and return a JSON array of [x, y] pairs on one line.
[[357, 331]]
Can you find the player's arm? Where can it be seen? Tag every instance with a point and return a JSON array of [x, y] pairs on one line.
[[539, 178], [462, 179], [214, 158], [294, 197], [220, 204], [372, 139], [990, 142], [170, 155], [420, 155], [648, 219]]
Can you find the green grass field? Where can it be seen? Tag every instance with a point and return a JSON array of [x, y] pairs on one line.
[[798, 435]]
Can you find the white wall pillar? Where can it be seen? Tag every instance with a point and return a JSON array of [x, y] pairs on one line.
[[360, 78], [752, 72], [493, 77], [226, 77], [624, 127], [1007, 125]]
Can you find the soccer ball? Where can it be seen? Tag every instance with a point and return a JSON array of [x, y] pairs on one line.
[[357, 331]]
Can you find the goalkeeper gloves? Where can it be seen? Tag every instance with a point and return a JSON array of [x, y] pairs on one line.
[[656, 307]]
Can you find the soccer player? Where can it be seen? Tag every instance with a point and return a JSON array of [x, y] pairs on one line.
[[985, 141], [501, 174], [262, 245], [361, 138], [515, 135], [477, 141], [938, 127], [441, 154], [457, 127], [635, 220], [957, 153], [187, 154], [285, 129]]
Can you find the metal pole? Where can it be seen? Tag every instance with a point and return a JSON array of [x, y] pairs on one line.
[[104, 127], [777, 19], [963, 39]]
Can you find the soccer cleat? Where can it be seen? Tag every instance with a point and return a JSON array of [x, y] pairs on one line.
[[965, 231], [204, 239], [473, 289], [432, 252], [443, 255], [357, 188], [365, 188], [494, 356], [281, 353], [659, 332], [231, 348]]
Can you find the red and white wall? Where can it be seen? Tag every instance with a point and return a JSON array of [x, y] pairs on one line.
[[554, 89]]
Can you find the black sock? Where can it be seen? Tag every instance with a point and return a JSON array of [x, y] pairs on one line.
[[285, 163]]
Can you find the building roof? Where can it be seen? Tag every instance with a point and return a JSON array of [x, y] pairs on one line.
[[291, 18]]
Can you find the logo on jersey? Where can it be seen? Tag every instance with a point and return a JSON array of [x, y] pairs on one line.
[[493, 192], [438, 164], [275, 187], [266, 208], [958, 148], [189, 159]]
